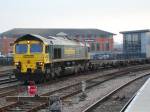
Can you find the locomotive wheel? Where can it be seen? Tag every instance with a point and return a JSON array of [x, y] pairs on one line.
[[76, 70], [42, 80], [96, 67], [39, 81], [86, 67], [47, 77], [53, 75], [93, 67], [58, 72], [79, 68], [47, 74], [82, 68]]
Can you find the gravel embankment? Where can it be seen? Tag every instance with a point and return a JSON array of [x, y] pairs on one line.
[[75, 105], [118, 100]]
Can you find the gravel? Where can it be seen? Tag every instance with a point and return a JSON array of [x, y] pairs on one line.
[[50, 87], [75, 105], [69, 81], [4, 68], [118, 100]]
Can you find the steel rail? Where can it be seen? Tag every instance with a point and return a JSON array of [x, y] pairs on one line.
[[126, 105], [95, 104], [5, 81], [126, 71]]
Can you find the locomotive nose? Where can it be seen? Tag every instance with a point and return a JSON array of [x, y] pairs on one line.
[[29, 65], [29, 70], [28, 61]]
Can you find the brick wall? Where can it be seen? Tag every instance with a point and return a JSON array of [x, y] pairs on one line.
[[106, 44], [5, 47], [99, 43]]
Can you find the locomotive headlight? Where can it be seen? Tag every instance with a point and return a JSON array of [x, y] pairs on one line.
[[16, 63], [39, 63]]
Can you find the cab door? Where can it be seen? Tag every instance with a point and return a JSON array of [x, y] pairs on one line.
[[48, 53]]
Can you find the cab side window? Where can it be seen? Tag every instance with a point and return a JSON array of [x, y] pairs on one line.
[[57, 53], [88, 49], [46, 49]]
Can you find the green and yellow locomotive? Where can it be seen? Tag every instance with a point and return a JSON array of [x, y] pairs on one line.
[[38, 58]]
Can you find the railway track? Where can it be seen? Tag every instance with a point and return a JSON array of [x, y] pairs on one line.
[[108, 97], [8, 80], [8, 83], [127, 104], [6, 76], [62, 92], [10, 86], [10, 89], [6, 72]]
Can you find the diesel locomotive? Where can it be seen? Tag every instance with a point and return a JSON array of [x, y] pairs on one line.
[[38, 58]]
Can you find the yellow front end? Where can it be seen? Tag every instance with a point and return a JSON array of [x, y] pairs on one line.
[[32, 59], [29, 62]]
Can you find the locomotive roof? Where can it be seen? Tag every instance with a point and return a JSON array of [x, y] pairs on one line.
[[31, 37], [63, 41], [51, 40]]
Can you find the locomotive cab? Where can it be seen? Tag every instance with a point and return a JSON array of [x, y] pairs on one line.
[[30, 56]]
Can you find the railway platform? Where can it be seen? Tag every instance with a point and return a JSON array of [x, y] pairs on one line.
[[141, 101]]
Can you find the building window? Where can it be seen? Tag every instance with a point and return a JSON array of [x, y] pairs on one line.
[[110, 36], [97, 46], [107, 46], [92, 46], [77, 36], [89, 35], [83, 36], [102, 35], [135, 37], [128, 37]]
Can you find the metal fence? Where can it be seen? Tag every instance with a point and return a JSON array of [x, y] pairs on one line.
[[6, 61]]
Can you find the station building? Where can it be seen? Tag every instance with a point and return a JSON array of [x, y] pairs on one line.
[[99, 41], [6, 45], [136, 43]]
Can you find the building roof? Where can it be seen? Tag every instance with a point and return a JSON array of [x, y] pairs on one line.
[[46, 32], [135, 31]]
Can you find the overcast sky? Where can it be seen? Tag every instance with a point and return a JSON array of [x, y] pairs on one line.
[[109, 15]]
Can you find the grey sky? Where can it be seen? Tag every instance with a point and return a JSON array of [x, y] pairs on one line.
[[109, 15]]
